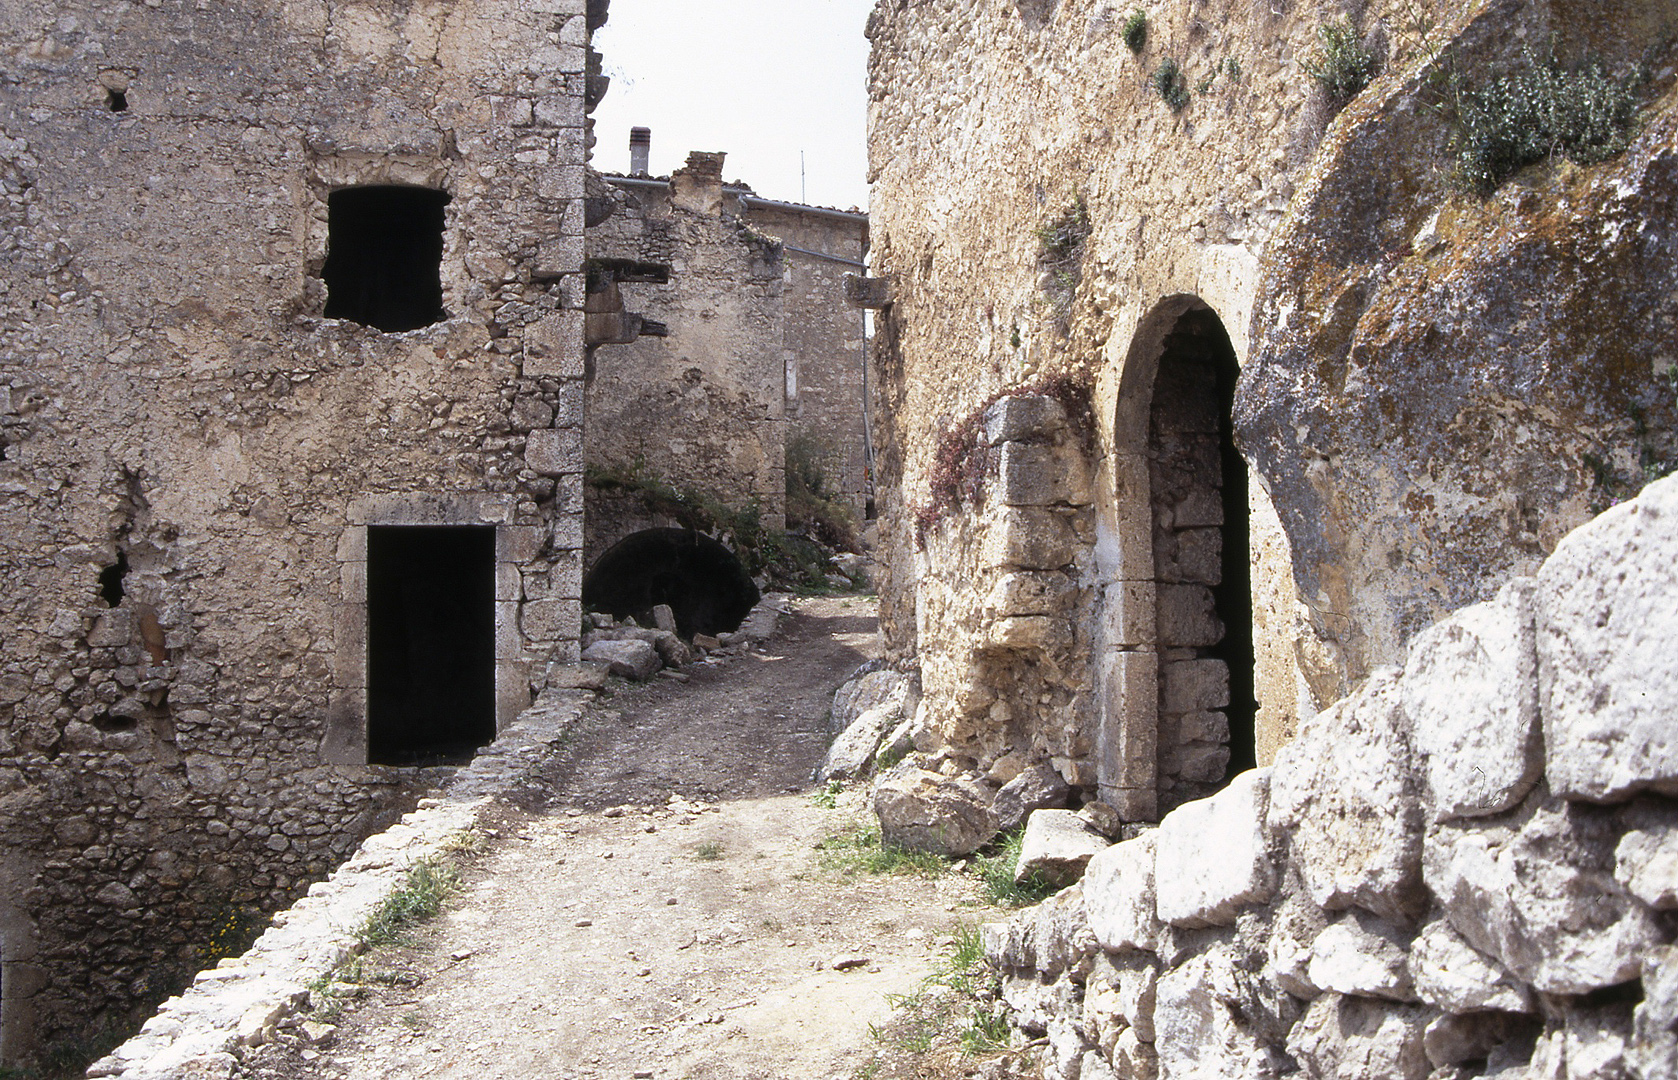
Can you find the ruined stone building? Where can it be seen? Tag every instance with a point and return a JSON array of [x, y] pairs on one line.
[[754, 361], [1222, 349], [291, 387]]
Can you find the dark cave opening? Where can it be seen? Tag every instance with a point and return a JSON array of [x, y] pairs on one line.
[[110, 580], [384, 256], [703, 582]]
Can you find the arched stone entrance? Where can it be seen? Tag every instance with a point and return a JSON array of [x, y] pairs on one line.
[[1178, 681], [704, 583]]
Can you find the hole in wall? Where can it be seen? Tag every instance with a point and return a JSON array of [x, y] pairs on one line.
[[116, 100], [704, 583], [430, 643], [107, 722], [384, 256], [110, 580]]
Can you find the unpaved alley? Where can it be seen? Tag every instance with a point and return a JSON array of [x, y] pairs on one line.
[[654, 904]]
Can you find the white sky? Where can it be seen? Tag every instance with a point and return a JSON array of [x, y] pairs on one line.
[[759, 79]]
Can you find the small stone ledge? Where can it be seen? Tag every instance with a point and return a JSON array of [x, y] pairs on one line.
[[243, 997]]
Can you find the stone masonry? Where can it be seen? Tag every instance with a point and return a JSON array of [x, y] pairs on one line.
[[192, 453]]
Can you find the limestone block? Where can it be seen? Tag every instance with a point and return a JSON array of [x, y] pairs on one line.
[[851, 752], [1450, 974], [1025, 633], [554, 346], [1363, 955], [1031, 538], [1095, 1067], [631, 659], [1654, 1051], [1119, 890], [1194, 686], [550, 620], [1192, 556], [1187, 616], [1036, 474], [1541, 898], [1646, 858], [1035, 787], [1360, 1039], [926, 811], [552, 452], [1127, 741], [1133, 1059], [867, 691], [1211, 859], [1036, 1002], [1127, 613], [1341, 796], [1294, 926], [1607, 605], [1057, 845], [1470, 692], [1028, 416], [1454, 1039], [1049, 938], [1201, 1026], [1026, 592]]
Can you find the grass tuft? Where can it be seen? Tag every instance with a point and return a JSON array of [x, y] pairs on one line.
[[861, 850], [1341, 64], [424, 889], [996, 871]]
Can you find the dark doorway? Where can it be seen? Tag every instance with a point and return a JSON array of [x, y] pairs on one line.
[[384, 255], [430, 643], [702, 581], [1198, 483]]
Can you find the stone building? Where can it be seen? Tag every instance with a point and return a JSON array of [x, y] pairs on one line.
[[1173, 342], [291, 390], [754, 354], [1232, 417]]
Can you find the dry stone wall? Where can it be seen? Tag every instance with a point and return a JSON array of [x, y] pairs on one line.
[[191, 452], [1468, 867]]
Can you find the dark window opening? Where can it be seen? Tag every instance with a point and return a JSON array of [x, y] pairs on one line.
[[384, 256], [1198, 482], [430, 643], [110, 580], [117, 100], [703, 582]]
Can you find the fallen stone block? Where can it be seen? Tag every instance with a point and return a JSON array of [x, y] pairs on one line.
[[927, 811], [631, 659], [1210, 857], [1036, 787], [664, 618], [851, 753], [1056, 847], [1607, 605]]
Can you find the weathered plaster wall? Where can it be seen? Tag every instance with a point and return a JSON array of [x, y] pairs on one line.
[[704, 407], [991, 122], [171, 395]]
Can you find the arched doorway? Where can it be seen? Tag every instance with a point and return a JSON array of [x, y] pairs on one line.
[[705, 585], [1179, 686]]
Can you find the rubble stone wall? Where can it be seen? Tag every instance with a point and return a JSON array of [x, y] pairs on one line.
[[190, 452], [1424, 411], [1468, 867]]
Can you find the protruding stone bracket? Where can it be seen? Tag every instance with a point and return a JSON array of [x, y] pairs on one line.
[[870, 293], [606, 322]]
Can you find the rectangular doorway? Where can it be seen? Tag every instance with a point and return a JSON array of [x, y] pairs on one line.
[[430, 643]]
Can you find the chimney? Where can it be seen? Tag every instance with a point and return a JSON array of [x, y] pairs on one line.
[[640, 145]]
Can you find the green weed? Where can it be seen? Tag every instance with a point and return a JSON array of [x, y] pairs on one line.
[[1341, 64], [1541, 111], [709, 851], [1172, 87], [828, 797], [996, 871], [1136, 30], [861, 850], [424, 889]]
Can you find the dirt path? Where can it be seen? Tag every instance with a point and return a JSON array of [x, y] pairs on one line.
[[654, 904]]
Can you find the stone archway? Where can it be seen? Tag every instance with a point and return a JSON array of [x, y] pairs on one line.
[[1177, 677]]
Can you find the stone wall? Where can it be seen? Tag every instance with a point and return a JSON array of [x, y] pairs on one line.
[[1431, 393], [191, 452], [1468, 867], [705, 406]]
